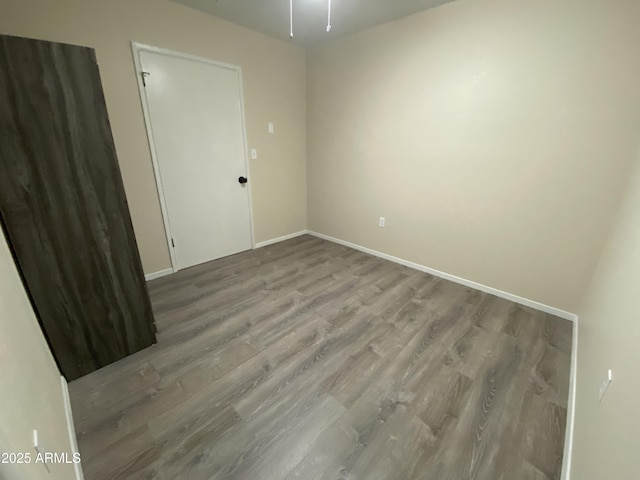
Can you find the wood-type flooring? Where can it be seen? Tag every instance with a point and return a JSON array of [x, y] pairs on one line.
[[310, 360]]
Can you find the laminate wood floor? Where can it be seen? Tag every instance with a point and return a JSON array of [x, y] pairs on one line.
[[310, 360]]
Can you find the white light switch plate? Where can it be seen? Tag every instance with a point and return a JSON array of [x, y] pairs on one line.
[[270, 127], [254, 154]]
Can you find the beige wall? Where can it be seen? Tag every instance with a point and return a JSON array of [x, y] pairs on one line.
[[607, 434], [494, 136], [274, 87], [31, 388]]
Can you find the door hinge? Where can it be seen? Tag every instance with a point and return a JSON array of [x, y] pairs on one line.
[[144, 76], [173, 244]]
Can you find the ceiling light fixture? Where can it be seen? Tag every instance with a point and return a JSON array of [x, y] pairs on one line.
[[291, 17]]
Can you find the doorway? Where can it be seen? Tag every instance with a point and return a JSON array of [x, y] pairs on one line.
[[194, 114]]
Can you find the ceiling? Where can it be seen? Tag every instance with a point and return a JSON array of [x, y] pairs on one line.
[[271, 17]]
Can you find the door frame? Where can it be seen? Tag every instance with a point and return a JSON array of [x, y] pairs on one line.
[[136, 48]]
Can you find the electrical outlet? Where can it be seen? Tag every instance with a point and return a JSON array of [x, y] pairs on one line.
[[382, 222], [40, 452], [605, 385]]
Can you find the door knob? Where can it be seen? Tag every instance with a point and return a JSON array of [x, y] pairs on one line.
[[242, 180]]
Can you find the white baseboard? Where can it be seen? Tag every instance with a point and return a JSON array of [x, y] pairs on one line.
[[71, 429], [281, 239], [161, 273], [571, 407], [462, 281], [169, 271]]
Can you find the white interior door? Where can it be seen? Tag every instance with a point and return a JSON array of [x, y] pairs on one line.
[[196, 118]]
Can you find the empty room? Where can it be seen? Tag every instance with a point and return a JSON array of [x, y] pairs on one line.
[[319, 239]]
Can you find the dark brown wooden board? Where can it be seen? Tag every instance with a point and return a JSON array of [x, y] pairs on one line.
[[64, 209]]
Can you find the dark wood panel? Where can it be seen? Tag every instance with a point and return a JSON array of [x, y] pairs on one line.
[[64, 208], [310, 360]]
